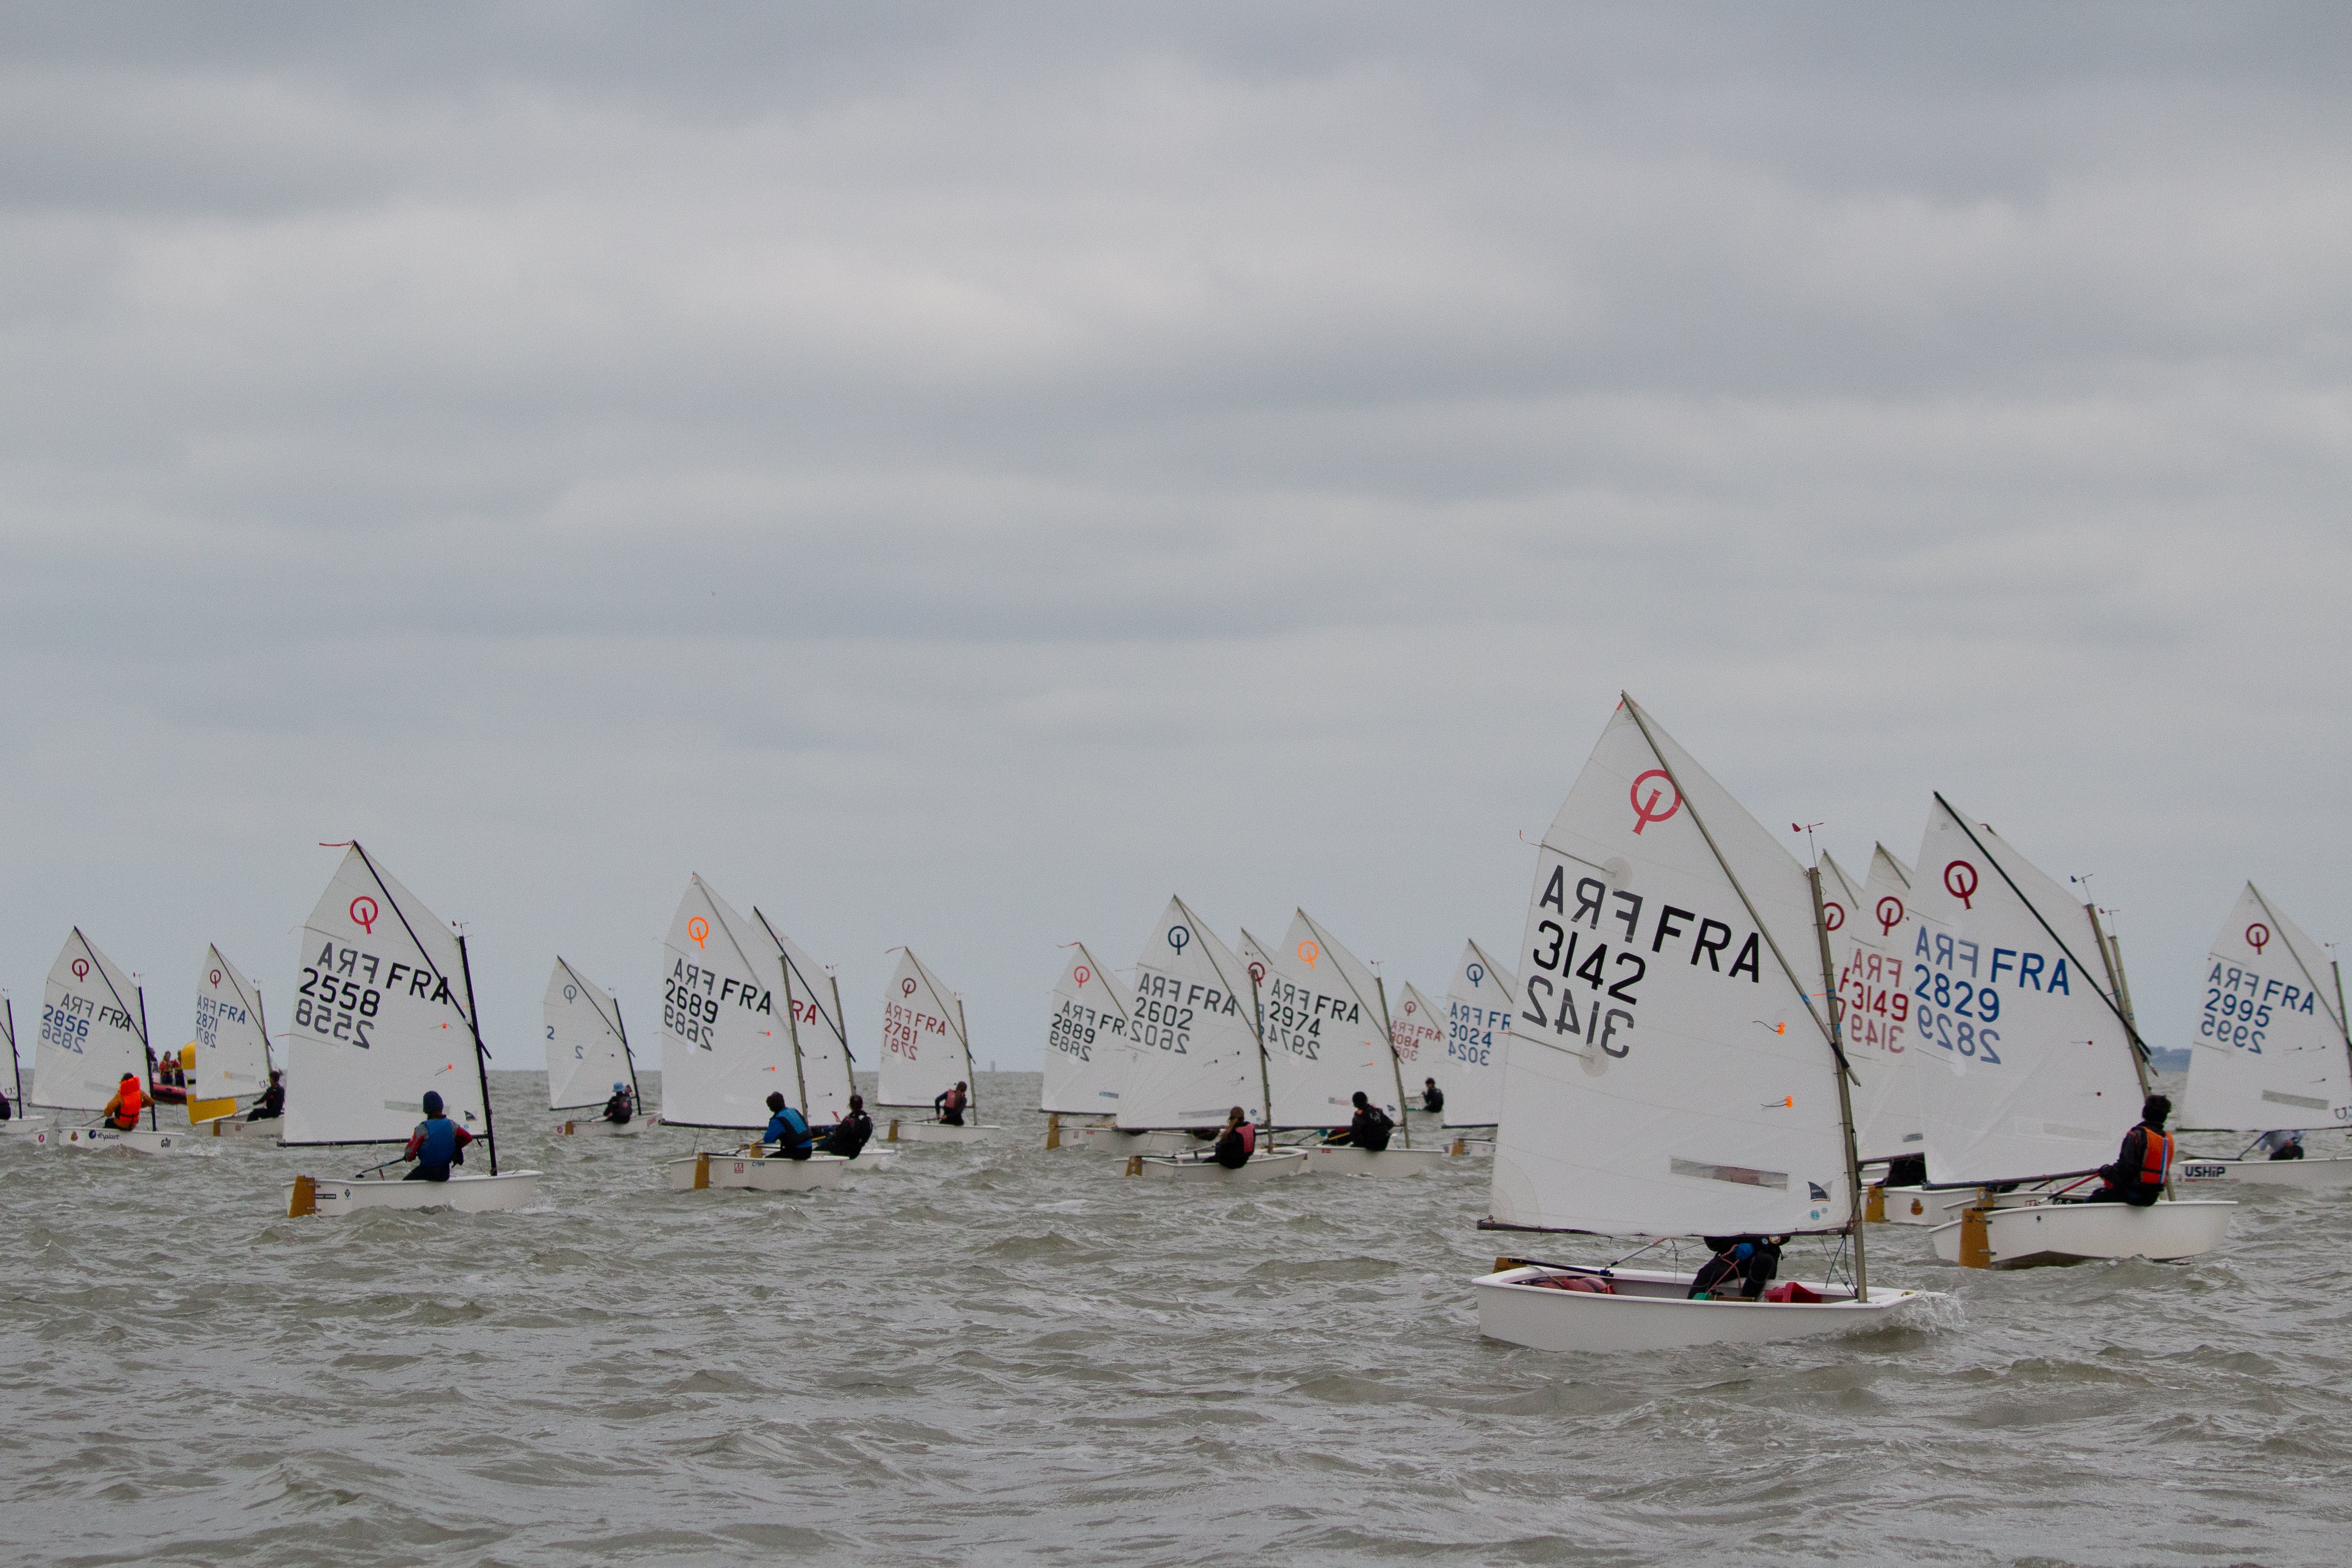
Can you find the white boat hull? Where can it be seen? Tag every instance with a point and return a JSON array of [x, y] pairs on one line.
[[1166, 1141], [100, 1139], [2074, 1233], [1914, 1205], [751, 1171], [596, 1126], [1068, 1129], [1651, 1311], [1334, 1160], [23, 1126], [2311, 1175], [912, 1131], [872, 1159], [232, 1126], [1266, 1165], [330, 1198], [1471, 1146]]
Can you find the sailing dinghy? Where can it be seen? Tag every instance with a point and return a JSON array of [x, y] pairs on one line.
[[1667, 1072], [1478, 1007], [1328, 1036], [1086, 1036], [2027, 1069], [94, 1030], [587, 1048], [384, 1012], [1194, 1054], [1416, 1032], [726, 1044], [231, 1049], [2270, 1052], [926, 1053], [19, 1122]]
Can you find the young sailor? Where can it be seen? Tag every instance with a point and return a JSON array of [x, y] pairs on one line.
[[2145, 1159], [1433, 1099], [121, 1112], [272, 1103], [1752, 1259], [436, 1145], [950, 1104], [1369, 1129], [788, 1130], [1238, 1142], [621, 1107], [848, 1135], [2284, 1145]]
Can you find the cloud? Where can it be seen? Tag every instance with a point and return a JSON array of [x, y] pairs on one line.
[[955, 480]]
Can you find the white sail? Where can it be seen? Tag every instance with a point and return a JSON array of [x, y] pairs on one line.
[[1086, 1038], [924, 1053], [1326, 1034], [1478, 1009], [1193, 1047], [1667, 1073], [2270, 1049], [2020, 1062], [725, 1044], [232, 1044], [92, 1030], [1877, 1015], [819, 1032], [1417, 1034], [382, 1015], [587, 1053]]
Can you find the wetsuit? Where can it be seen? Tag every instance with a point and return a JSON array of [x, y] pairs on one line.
[[619, 1108], [436, 1145], [788, 1132], [272, 1106], [848, 1135], [1432, 1099], [1753, 1260], [1236, 1145], [950, 1107], [1370, 1128]]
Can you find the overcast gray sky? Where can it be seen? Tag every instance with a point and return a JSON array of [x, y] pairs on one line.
[[955, 476]]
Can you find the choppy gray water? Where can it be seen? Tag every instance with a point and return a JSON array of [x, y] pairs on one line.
[[999, 1354]]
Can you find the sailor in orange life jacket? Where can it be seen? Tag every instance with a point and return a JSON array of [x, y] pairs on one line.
[[2145, 1159], [123, 1112], [1238, 1142], [436, 1145]]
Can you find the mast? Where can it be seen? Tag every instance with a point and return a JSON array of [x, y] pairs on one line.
[[971, 1074], [151, 1123], [2342, 1022], [848, 1062], [2111, 958], [792, 1018], [1257, 1027], [261, 1021], [621, 1028], [16, 1068], [1846, 1095], [481, 1057], [1396, 1067]]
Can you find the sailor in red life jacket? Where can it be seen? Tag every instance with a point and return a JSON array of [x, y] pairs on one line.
[[436, 1145], [121, 1112], [1238, 1142], [2145, 1159]]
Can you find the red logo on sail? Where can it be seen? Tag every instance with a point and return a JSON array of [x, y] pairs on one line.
[[1647, 812], [1960, 881], [907, 986], [1890, 913], [82, 968], [1834, 916], [1084, 974], [2258, 936], [363, 913], [215, 979]]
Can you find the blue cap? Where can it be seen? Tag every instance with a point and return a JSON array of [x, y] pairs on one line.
[[619, 1087], [432, 1102]]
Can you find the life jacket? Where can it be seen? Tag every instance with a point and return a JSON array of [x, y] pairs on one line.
[[132, 1099], [1249, 1137], [2154, 1157], [440, 1145], [795, 1131]]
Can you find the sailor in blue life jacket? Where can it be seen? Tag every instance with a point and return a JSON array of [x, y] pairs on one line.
[[1368, 1130], [848, 1135], [2282, 1145], [621, 1107], [1238, 1142], [2145, 1160], [788, 1130], [436, 1145], [1752, 1261]]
